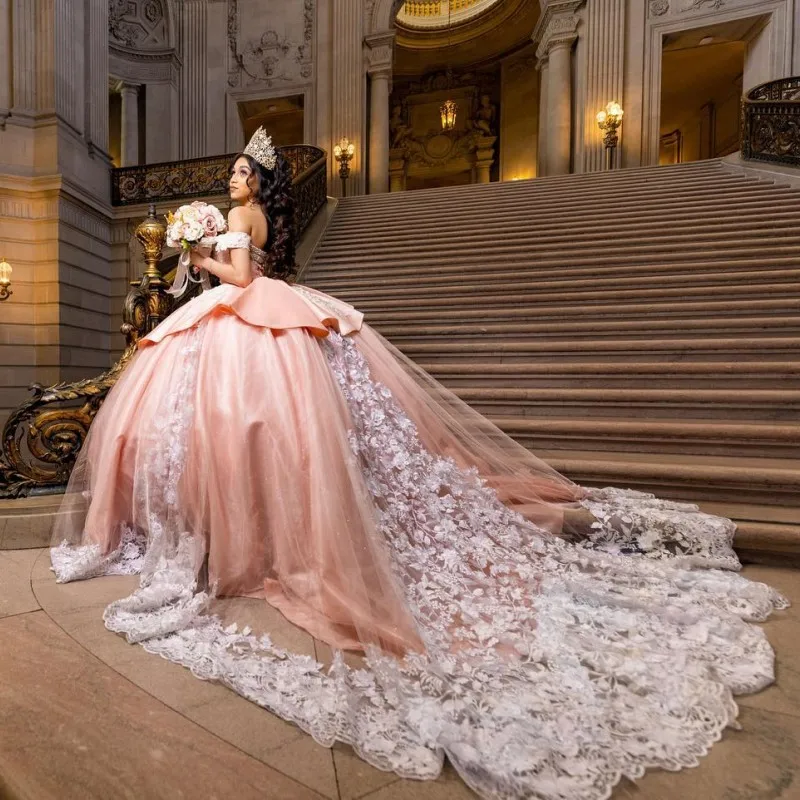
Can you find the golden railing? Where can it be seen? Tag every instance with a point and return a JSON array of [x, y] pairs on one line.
[[42, 437], [771, 122]]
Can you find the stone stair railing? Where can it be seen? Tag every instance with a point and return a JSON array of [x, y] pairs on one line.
[[43, 436], [771, 122]]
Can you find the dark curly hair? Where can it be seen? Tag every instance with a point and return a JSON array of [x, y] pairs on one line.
[[275, 196]]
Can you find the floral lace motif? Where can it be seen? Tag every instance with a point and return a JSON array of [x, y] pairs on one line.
[[86, 561], [639, 524], [549, 670]]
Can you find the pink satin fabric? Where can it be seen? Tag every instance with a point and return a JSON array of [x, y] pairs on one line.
[[269, 479]]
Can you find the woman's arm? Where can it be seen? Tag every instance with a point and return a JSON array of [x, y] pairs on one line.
[[238, 271]]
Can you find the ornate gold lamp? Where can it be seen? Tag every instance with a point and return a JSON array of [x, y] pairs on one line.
[[343, 152], [448, 110], [5, 280], [609, 120]]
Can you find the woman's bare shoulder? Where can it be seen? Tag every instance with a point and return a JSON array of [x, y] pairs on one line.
[[240, 219]]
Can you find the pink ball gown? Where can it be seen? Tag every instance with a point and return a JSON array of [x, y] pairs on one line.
[[266, 443]]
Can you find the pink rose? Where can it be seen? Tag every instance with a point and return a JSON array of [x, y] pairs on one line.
[[209, 225]]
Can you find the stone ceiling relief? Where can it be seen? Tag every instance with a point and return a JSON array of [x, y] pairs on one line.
[[269, 43], [139, 24]]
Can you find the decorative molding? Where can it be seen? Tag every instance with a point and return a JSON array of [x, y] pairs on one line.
[[84, 220], [379, 50], [139, 24], [658, 7], [271, 56], [693, 5], [558, 26]]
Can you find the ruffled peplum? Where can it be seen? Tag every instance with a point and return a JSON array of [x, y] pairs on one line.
[[265, 303]]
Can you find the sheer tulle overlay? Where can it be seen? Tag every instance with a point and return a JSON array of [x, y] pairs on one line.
[[265, 443]]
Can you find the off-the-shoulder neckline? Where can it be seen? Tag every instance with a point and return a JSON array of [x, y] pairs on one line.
[[249, 238]]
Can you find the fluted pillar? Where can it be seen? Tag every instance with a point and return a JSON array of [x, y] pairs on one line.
[[604, 65], [97, 68], [379, 60], [23, 55], [555, 34], [129, 150], [348, 84], [192, 23], [541, 156], [559, 111]]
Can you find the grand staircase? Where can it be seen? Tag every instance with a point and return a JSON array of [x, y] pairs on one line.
[[639, 328]]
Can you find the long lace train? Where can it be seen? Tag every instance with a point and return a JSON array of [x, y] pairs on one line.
[[549, 670]]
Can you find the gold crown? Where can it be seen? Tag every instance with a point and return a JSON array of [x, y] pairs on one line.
[[260, 148]]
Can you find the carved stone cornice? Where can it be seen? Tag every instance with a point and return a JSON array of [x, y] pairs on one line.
[[558, 26], [378, 53]]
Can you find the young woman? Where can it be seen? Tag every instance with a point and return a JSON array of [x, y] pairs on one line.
[[265, 443]]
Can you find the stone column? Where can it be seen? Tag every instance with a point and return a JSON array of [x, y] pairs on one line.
[[541, 156], [193, 88], [559, 111], [379, 60], [129, 151], [484, 158], [348, 90], [603, 69], [556, 32]]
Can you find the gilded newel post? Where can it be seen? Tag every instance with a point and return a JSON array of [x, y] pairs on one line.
[[148, 303]]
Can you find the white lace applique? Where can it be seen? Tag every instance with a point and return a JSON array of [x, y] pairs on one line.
[[232, 240], [550, 670], [86, 561], [639, 524]]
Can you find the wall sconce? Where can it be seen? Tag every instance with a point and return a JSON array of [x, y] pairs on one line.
[[609, 121], [343, 152], [5, 280]]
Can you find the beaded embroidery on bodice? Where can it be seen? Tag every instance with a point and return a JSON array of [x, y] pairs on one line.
[[259, 260]]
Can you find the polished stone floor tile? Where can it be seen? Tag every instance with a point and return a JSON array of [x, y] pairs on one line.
[[357, 778], [760, 762], [449, 786], [70, 727], [16, 595]]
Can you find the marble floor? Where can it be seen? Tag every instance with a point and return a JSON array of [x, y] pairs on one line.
[[85, 715]]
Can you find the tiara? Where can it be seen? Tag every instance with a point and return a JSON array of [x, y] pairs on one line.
[[260, 148]]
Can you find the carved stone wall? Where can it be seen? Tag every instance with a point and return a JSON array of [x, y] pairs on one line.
[[269, 43], [139, 24]]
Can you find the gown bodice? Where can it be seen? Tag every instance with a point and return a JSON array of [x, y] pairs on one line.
[[264, 303]]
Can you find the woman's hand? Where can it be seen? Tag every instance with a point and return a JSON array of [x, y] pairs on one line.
[[199, 259]]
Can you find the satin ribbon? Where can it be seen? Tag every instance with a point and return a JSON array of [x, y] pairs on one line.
[[183, 275]]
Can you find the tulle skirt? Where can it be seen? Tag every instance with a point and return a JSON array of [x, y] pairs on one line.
[[265, 443]]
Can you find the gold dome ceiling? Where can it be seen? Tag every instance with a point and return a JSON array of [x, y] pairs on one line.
[[432, 14]]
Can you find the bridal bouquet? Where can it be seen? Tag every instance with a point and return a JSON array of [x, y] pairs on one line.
[[191, 226]]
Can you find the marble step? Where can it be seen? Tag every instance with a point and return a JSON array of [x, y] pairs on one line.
[[527, 310], [653, 275], [763, 223], [742, 405], [765, 481], [683, 285], [651, 246], [577, 329], [763, 374], [562, 351], [533, 192], [430, 216], [701, 437], [413, 264]]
